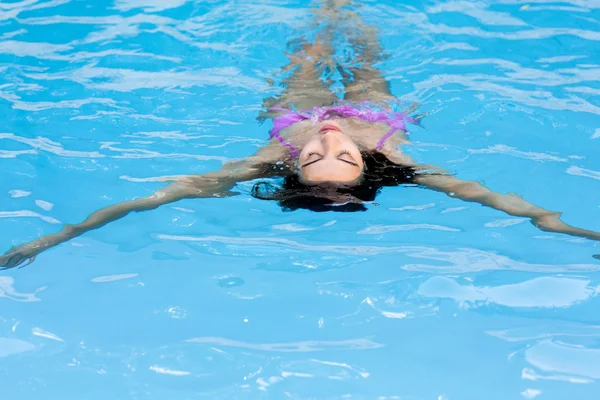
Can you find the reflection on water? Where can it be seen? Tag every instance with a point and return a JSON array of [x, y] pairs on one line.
[[539, 292], [14, 346], [8, 290], [421, 297], [565, 359], [357, 344]]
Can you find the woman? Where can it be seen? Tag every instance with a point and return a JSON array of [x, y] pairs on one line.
[[334, 157]]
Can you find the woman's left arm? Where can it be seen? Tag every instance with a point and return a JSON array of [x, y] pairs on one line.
[[509, 203], [471, 191]]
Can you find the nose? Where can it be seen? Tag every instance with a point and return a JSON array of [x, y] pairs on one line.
[[329, 141]]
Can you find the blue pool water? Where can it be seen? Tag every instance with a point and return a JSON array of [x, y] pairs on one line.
[[421, 297]]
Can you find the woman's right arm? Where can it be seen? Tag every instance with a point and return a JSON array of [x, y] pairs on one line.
[[28, 251], [213, 184]]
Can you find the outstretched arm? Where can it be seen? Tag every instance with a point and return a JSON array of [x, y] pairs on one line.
[[213, 184], [438, 180], [509, 203]]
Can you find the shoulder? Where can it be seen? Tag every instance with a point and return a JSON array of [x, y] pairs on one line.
[[392, 150]]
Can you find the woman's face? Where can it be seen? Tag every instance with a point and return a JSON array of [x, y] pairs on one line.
[[330, 156]]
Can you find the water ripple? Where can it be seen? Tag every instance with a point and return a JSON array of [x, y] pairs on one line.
[[148, 5], [477, 11], [28, 214], [545, 292], [7, 290], [145, 90], [557, 357], [126, 80], [9, 346], [460, 260], [50, 146], [586, 173], [306, 346], [381, 229]]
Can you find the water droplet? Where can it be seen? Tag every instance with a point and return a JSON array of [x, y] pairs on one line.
[[230, 282], [176, 312]]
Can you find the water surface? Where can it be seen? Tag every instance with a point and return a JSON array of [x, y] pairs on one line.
[[421, 297]]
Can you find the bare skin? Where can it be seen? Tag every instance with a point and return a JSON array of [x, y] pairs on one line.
[[330, 148]]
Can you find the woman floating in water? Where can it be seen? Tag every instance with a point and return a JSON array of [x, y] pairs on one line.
[[333, 156]]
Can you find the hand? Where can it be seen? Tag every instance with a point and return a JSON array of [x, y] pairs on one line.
[[18, 255]]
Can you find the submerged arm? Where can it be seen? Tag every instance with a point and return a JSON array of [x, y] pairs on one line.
[[509, 203], [436, 179], [213, 184], [28, 251]]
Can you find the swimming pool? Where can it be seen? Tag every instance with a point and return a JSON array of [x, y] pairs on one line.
[[420, 297]]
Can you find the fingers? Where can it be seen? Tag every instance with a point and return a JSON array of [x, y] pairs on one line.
[[29, 261], [15, 261], [10, 261], [16, 256]]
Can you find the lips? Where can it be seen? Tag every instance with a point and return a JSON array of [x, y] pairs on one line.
[[326, 128]]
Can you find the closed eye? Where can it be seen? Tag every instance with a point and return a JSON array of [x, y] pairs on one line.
[[313, 161], [340, 154], [347, 153]]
